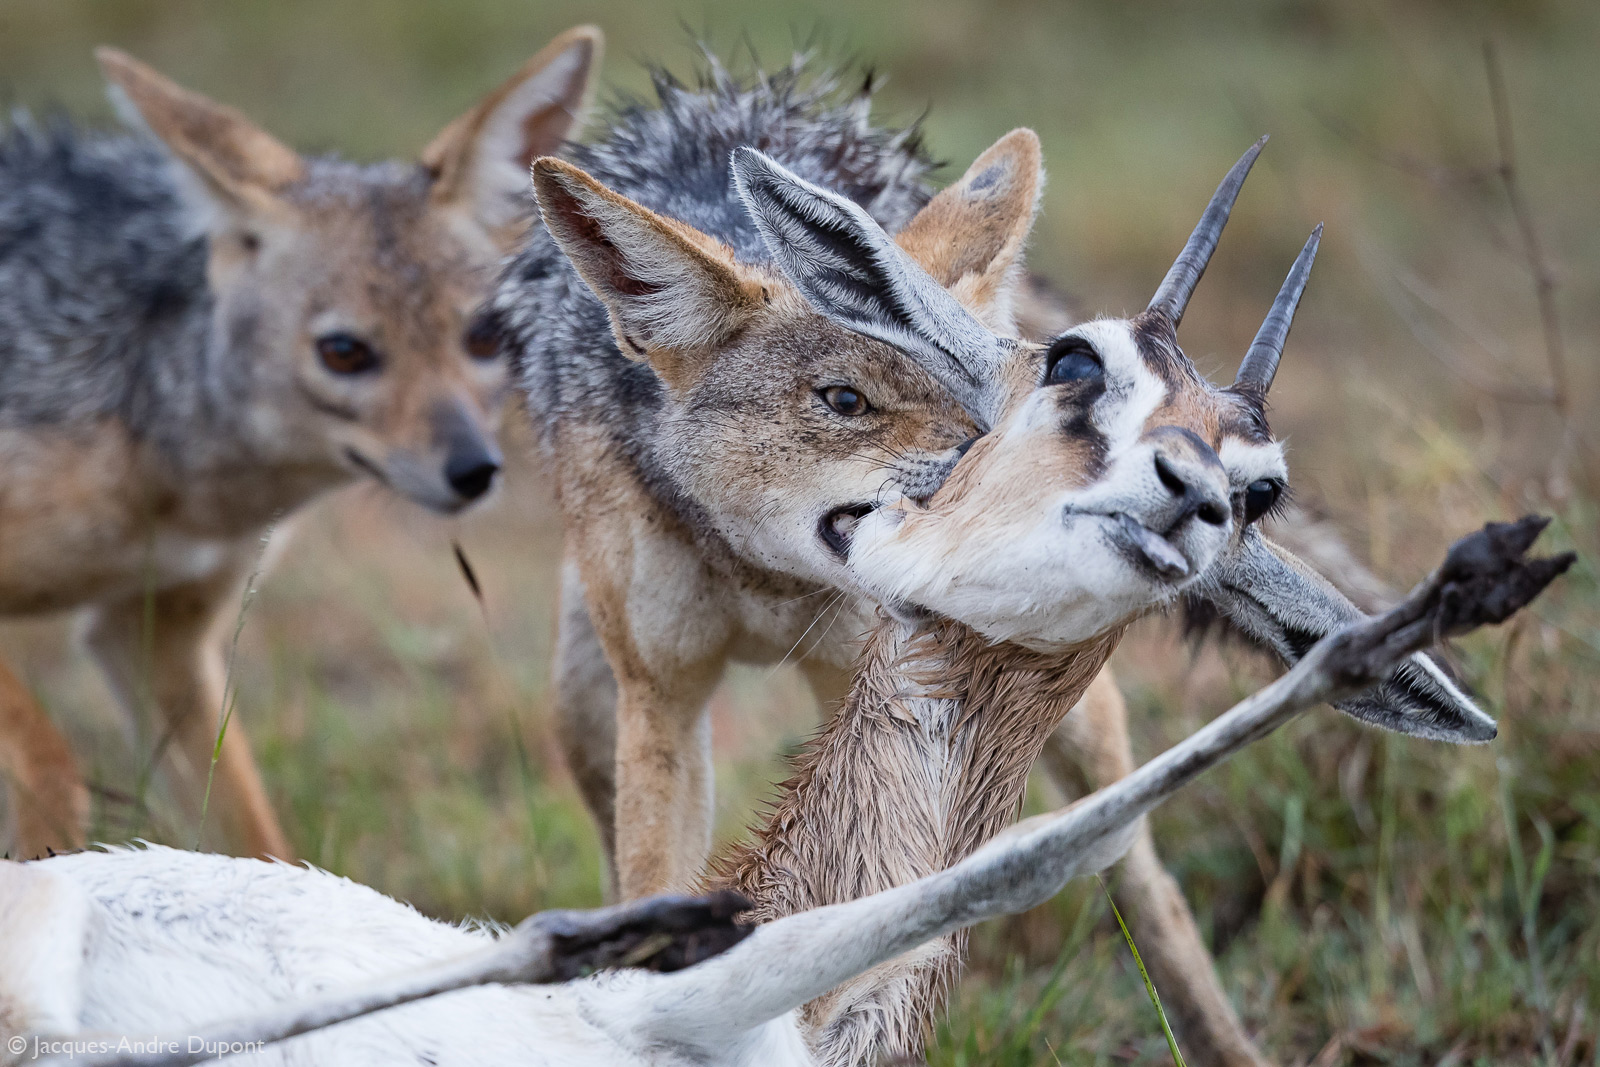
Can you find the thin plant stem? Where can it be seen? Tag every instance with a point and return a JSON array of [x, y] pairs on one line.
[[1529, 888], [1544, 281], [230, 693], [1149, 986], [144, 709]]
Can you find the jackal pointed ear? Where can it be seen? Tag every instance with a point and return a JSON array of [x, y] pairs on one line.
[[1274, 600], [673, 293], [241, 166], [481, 160], [851, 272], [970, 237]]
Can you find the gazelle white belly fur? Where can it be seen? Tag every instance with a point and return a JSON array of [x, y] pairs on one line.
[[147, 941]]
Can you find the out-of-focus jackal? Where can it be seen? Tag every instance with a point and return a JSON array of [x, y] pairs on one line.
[[201, 331]]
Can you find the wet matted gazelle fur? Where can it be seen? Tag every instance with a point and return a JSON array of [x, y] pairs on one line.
[[201, 331]]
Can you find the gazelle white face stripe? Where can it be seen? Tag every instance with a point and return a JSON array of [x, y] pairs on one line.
[[1133, 390], [1250, 461]]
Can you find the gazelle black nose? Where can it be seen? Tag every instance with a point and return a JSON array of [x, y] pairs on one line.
[[1182, 465], [471, 476]]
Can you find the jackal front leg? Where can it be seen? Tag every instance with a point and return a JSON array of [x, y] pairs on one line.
[[1089, 751], [173, 676], [586, 715], [664, 782], [48, 800], [667, 647]]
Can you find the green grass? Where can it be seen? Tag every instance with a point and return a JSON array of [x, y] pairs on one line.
[[1371, 899], [1144, 976]]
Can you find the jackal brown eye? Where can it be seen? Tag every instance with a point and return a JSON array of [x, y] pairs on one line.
[[343, 354], [845, 400], [482, 339], [1259, 498], [1072, 359]]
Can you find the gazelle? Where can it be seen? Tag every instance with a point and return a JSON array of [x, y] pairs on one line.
[[740, 1008], [110, 942]]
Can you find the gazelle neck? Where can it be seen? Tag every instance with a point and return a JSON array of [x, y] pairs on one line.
[[927, 759]]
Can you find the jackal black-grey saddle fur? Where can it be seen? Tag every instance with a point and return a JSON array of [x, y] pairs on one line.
[[105, 310], [672, 155], [103, 301]]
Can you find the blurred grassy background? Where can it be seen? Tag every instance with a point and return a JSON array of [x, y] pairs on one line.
[[1373, 900]]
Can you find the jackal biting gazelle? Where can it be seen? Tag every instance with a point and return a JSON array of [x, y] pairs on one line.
[[201, 331], [944, 717], [714, 441]]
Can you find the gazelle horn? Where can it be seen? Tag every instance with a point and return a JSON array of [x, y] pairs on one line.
[[1260, 363], [1176, 288]]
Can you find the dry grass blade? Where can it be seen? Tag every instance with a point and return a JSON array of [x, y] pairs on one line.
[[1544, 281], [470, 575]]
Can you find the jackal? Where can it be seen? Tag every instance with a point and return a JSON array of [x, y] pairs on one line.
[[201, 331], [704, 433]]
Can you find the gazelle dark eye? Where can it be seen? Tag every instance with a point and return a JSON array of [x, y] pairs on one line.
[[845, 400], [1259, 498], [342, 353], [1072, 359], [482, 339]]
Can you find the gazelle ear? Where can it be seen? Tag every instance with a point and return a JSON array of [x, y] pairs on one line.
[[242, 168], [481, 159], [852, 273], [1276, 601], [673, 293], [969, 238]]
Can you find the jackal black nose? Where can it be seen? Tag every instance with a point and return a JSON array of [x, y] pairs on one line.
[[471, 459], [471, 474], [1188, 469]]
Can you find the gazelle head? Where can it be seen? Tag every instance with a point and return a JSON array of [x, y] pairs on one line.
[[1112, 479]]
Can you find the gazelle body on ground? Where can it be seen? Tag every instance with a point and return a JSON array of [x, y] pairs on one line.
[[200, 332], [90, 937], [738, 1009]]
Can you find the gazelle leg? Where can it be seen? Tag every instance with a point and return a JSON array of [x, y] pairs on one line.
[[178, 672], [586, 715], [49, 802], [1089, 751], [44, 924]]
